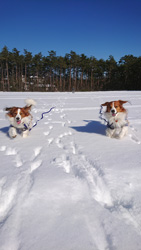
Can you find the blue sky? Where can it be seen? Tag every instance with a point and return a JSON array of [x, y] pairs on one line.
[[94, 27]]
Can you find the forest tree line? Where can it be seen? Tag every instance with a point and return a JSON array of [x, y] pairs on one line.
[[73, 72]]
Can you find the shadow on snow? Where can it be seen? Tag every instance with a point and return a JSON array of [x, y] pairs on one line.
[[4, 130], [91, 127]]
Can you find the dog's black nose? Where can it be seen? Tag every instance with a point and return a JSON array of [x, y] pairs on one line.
[[113, 111], [17, 118]]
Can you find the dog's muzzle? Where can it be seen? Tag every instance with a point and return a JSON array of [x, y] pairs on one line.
[[113, 112], [18, 120]]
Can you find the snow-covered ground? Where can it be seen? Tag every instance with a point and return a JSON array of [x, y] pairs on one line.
[[68, 186]]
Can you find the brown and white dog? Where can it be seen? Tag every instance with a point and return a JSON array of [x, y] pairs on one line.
[[20, 119], [116, 116]]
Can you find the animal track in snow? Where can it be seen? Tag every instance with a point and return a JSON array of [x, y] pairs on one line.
[[73, 147], [132, 128], [64, 162], [7, 199], [62, 116], [61, 110], [65, 134], [125, 209], [11, 151], [99, 190], [59, 122], [37, 151], [63, 124], [18, 161], [57, 111], [2, 148], [133, 135], [50, 141], [46, 133], [58, 142], [84, 169], [91, 173], [60, 137], [2, 182], [35, 165], [134, 139], [94, 176]]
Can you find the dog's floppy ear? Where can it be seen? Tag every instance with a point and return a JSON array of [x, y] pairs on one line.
[[8, 109], [122, 102], [105, 104]]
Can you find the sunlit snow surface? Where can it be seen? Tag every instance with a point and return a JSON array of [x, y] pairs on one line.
[[68, 186]]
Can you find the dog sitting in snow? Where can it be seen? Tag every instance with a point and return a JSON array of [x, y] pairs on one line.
[[116, 116], [20, 119]]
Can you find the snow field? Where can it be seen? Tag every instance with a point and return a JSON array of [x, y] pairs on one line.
[[68, 186]]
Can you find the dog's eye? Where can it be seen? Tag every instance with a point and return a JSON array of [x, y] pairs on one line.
[[116, 106], [15, 113]]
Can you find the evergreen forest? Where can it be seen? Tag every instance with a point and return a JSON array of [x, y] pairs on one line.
[[73, 72]]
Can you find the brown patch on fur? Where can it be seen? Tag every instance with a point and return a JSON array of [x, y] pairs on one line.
[[117, 105], [13, 111]]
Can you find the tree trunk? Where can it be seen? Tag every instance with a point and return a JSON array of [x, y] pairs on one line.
[[25, 78], [87, 87], [21, 83], [91, 80], [70, 80], [64, 81], [64, 85], [16, 74], [50, 82], [60, 83], [81, 83], [2, 80], [7, 76], [13, 78], [52, 89], [37, 80], [75, 77]]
